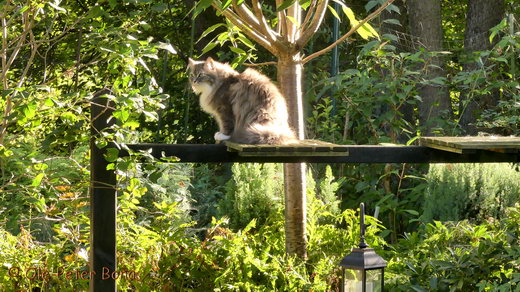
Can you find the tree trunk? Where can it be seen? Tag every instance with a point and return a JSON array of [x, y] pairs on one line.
[[482, 15], [425, 26], [290, 76]]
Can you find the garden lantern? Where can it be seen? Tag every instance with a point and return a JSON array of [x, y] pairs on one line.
[[363, 269]]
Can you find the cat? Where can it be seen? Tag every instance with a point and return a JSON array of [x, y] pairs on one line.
[[248, 107]]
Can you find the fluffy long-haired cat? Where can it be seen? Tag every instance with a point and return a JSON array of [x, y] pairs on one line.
[[247, 106]]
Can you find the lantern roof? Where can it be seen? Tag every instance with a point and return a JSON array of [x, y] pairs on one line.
[[363, 259]]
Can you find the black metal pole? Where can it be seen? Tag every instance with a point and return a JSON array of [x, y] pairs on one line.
[[102, 260]]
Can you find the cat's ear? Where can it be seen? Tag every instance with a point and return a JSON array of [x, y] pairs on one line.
[[191, 63], [209, 64]]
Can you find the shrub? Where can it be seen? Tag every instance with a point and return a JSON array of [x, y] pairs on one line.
[[470, 191], [459, 256], [255, 191]]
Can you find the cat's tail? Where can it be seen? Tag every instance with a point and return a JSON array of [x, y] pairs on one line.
[[266, 134]]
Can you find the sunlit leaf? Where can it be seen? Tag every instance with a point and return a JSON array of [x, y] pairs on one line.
[[55, 6], [333, 11], [209, 47], [293, 20], [112, 154], [210, 30], [226, 4], [286, 4], [366, 30], [37, 180], [237, 50], [166, 46]]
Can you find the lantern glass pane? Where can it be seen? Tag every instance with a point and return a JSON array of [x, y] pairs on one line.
[[374, 280], [353, 280]]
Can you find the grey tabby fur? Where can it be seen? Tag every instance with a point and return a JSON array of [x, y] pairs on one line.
[[247, 106]]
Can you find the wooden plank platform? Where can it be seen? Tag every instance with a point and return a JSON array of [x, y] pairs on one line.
[[467, 145], [301, 148]]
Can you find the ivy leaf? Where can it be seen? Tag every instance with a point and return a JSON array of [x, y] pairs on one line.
[[112, 154]]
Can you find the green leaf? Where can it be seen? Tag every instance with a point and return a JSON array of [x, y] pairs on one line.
[[305, 4], [333, 11], [366, 30], [293, 20], [496, 29], [166, 46], [412, 212], [112, 154], [37, 180], [161, 7], [121, 115], [226, 5], [29, 110], [246, 41], [210, 30], [208, 47], [392, 21], [237, 50], [371, 4], [286, 4], [393, 8], [55, 6], [95, 12], [112, 3], [131, 124], [201, 6]]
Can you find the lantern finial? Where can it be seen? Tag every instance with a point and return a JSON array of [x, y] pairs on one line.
[[362, 243]]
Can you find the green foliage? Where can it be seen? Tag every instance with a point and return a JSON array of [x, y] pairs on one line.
[[371, 100], [327, 191], [254, 259], [470, 191], [73, 49], [255, 191], [459, 257]]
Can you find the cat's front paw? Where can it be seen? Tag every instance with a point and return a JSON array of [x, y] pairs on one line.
[[221, 137]]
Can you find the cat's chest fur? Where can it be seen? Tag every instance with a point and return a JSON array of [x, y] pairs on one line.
[[206, 92]]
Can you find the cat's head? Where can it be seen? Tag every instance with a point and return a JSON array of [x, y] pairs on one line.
[[205, 74]]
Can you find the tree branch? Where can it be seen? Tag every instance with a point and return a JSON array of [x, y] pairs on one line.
[[260, 64], [257, 9], [4, 51], [249, 31], [282, 28], [246, 15], [349, 33], [308, 14], [295, 12], [314, 24]]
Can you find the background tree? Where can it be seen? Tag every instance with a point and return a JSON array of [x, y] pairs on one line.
[[481, 16], [425, 26]]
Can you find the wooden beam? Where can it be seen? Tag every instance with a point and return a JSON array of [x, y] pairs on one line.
[[218, 153], [102, 259]]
